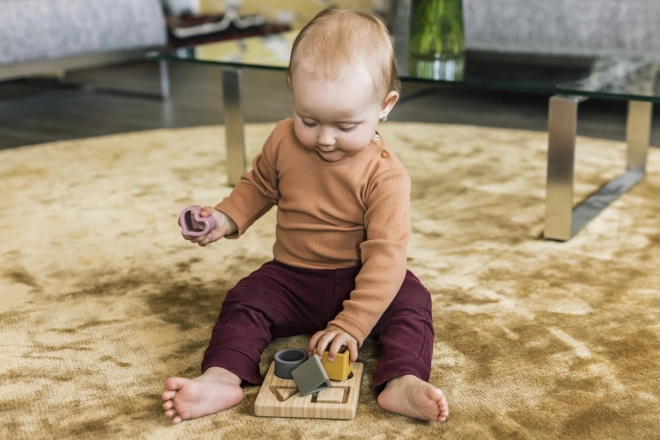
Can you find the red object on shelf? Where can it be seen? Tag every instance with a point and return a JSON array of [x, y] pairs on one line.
[[192, 30]]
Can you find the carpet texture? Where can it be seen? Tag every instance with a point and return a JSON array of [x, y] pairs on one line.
[[101, 299]]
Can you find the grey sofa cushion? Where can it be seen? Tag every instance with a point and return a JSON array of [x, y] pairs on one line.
[[572, 27], [48, 29]]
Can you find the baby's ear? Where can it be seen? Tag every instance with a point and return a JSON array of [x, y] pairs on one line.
[[388, 102]]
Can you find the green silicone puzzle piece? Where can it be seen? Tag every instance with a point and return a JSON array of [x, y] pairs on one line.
[[310, 377]]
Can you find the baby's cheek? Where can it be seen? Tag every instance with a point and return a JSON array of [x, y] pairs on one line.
[[301, 133], [360, 143], [305, 139], [309, 142]]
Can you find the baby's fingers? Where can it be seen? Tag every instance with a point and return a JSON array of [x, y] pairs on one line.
[[212, 236], [206, 211], [193, 238], [323, 343], [353, 350], [339, 342], [313, 341]]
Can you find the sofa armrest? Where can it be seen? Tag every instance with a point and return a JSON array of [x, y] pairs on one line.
[[563, 27], [37, 30]]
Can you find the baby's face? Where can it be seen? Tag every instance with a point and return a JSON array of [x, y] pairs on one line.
[[335, 117]]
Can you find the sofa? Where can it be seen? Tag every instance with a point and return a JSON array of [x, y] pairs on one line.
[[40, 36], [564, 27]]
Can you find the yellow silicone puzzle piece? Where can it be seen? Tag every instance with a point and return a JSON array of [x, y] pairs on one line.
[[340, 368]]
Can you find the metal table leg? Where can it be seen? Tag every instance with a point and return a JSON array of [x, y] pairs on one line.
[[638, 134], [164, 80], [562, 221], [235, 141]]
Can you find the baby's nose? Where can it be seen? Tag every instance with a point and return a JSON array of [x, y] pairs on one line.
[[325, 138]]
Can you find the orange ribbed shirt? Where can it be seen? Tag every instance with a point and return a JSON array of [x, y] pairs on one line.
[[355, 211]]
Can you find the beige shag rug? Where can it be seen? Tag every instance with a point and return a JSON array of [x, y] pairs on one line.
[[101, 299]]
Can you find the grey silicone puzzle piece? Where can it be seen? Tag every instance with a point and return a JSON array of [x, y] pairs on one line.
[[310, 377]]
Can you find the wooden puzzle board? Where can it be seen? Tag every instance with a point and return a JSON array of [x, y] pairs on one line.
[[280, 398]]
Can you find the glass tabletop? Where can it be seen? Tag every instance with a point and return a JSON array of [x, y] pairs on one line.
[[612, 77]]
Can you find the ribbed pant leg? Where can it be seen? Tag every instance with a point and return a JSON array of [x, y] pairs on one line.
[[275, 301], [405, 332]]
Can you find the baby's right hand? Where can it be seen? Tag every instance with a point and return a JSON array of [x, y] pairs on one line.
[[223, 226]]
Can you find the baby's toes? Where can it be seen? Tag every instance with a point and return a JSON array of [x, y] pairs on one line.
[[170, 413], [168, 405], [444, 410], [168, 395]]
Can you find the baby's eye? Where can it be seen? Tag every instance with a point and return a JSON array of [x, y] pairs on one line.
[[347, 128], [308, 124]]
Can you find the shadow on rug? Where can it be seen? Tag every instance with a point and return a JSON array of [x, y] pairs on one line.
[[101, 299]]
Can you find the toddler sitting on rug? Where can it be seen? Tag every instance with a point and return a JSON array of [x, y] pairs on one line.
[[343, 223]]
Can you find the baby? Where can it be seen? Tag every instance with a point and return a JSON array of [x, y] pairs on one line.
[[343, 223]]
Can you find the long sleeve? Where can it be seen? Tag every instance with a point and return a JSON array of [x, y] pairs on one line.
[[383, 254], [256, 192]]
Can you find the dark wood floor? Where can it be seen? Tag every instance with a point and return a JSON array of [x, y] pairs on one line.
[[33, 112]]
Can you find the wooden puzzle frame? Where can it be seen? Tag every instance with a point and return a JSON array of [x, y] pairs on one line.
[[280, 398]]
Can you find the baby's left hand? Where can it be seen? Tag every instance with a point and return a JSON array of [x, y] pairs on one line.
[[336, 337]]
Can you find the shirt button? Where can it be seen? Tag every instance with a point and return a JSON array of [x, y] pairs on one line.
[[384, 154]]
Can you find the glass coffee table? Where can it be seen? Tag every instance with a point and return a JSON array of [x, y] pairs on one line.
[[569, 81]]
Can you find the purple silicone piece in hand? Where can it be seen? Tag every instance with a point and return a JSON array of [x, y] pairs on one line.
[[191, 222]]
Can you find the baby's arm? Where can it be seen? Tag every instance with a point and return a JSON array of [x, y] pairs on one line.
[[254, 195], [383, 254], [257, 191]]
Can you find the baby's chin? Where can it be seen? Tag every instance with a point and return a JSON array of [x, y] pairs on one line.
[[333, 156]]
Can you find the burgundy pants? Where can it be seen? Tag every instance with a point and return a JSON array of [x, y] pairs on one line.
[[279, 300]]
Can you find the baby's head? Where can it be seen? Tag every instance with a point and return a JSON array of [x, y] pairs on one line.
[[338, 39], [344, 79]]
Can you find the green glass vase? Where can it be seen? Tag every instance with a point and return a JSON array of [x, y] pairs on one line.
[[436, 29]]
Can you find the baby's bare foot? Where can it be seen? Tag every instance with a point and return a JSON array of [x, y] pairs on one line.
[[411, 396], [215, 390]]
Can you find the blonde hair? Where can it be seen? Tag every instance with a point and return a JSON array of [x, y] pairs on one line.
[[337, 38]]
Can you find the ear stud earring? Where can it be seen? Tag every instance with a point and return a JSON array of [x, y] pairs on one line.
[[384, 119]]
